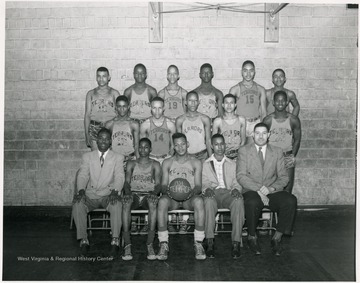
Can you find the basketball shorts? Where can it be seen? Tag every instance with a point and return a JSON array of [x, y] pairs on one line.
[[94, 128], [289, 159], [250, 124], [201, 155], [140, 200]]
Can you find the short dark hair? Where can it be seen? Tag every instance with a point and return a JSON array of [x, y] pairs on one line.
[[217, 135], [229, 95], [158, 98], [279, 70], [104, 130], [173, 66], [206, 65], [145, 140], [280, 92], [261, 124], [248, 62], [140, 65], [122, 98], [178, 136], [192, 92], [103, 69]]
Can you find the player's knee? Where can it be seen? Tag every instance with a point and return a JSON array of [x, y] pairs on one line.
[[198, 202]]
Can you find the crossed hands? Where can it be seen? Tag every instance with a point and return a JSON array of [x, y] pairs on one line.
[[263, 192]]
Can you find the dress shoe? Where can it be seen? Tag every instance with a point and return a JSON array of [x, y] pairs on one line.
[[210, 248], [253, 245], [84, 247], [276, 247], [235, 253]]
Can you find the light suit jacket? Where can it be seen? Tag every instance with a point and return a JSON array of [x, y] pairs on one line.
[[99, 181], [252, 176], [209, 178]]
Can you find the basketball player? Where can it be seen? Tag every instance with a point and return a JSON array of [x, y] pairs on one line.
[[173, 169], [158, 129], [125, 131], [221, 190], [173, 95], [279, 80], [196, 127], [99, 106], [210, 98], [141, 189], [285, 132], [251, 98], [140, 94], [231, 126]]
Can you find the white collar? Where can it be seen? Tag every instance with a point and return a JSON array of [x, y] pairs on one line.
[[105, 153], [212, 157]]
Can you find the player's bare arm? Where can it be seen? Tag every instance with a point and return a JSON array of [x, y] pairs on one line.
[[262, 102], [87, 117], [216, 126], [219, 100], [152, 92], [207, 126], [144, 129], [242, 130], [135, 131], [296, 128], [178, 123], [294, 102], [183, 101], [172, 128]]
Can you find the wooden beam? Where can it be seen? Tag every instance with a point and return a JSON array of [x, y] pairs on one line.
[[155, 22], [271, 23]]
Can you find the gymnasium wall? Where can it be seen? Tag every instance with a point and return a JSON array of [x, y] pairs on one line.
[[53, 49]]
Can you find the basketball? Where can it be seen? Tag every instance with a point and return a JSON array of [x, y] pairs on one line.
[[179, 189]]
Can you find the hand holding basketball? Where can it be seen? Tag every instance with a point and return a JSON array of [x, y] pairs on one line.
[[179, 189]]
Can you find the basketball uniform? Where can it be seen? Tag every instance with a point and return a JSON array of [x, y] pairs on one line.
[[122, 138], [182, 171], [195, 134], [173, 103], [140, 107], [231, 133], [270, 107], [208, 104], [142, 183], [160, 139], [281, 134]]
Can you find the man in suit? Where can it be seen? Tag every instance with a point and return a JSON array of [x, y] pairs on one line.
[[99, 182], [221, 190], [262, 174]]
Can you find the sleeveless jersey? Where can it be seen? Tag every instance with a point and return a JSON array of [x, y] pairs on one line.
[[195, 134], [142, 179], [173, 103], [122, 139], [248, 102], [281, 134], [183, 171], [140, 107], [102, 109], [208, 104], [270, 107], [160, 138], [231, 135]]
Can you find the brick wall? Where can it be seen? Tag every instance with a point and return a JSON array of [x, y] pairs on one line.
[[52, 50]]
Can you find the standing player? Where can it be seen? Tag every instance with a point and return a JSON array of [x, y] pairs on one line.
[[231, 126], [99, 106], [181, 168], [173, 95], [140, 94], [158, 129], [210, 98], [196, 127], [251, 98], [285, 132], [279, 80], [141, 188], [125, 131]]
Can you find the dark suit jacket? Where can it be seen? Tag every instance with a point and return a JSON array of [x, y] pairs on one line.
[[99, 181], [252, 176]]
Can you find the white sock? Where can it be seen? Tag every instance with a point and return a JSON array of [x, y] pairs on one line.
[[163, 236], [199, 235]]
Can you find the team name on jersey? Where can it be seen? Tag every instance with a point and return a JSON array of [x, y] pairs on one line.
[[139, 103], [193, 128], [209, 101], [159, 130], [102, 101], [142, 178], [173, 99], [280, 133], [231, 133], [247, 92], [181, 172], [123, 134]]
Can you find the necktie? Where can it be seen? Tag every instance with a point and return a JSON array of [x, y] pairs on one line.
[[102, 159], [261, 157]]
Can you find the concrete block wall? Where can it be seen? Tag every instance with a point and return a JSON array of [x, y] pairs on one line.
[[53, 49]]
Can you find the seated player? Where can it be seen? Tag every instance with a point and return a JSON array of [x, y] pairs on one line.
[[158, 129], [279, 80], [262, 174], [140, 94], [100, 181], [173, 95], [196, 127], [210, 98], [181, 172], [125, 131], [99, 106], [141, 190], [231, 126], [221, 190]]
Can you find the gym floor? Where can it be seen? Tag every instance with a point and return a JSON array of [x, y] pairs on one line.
[[42, 247]]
